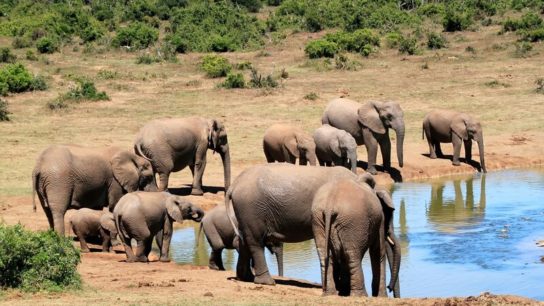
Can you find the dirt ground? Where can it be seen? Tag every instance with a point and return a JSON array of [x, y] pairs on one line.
[[512, 116]]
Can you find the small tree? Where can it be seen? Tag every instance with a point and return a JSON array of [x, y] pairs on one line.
[[4, 113]]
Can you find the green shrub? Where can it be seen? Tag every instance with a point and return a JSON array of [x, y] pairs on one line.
[[84, 90], [137, 35], [243, 65], [31, 56], [215, 66], [221, 44], [457, 18], [6, 56], [436, 41], [107, 74], [408, 45], [4, 113], [146, 59], [343, 62], [533, 35], [179, 44], [259, 81], [38, 83], [21, 42], [234, 80], [312, 96], [529, 20], [523, 49], [321, 48], [36, 261], [393, 39], [47, 45], [360, 41], [16, 77]]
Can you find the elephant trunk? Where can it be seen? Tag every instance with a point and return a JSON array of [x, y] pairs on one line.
[[395, 266], [353, 161], [312, 158], [199, 214], [400, 141], [480, 141], [225, 157]]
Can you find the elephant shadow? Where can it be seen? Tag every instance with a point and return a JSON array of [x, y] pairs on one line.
[[395, 174], [185, 190], [289, 282], [474, 164]]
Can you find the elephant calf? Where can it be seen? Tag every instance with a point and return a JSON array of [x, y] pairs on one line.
[[144, 215], [335, 147], [349, 218], [444, 126], [286, 143], [220, 235], [93, 225]]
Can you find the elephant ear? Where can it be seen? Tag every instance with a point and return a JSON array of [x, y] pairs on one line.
[[459, 126], [125, 170], [173, 209], [385, 199], [107, 222], [334, 145], [292, 147], [367, 178], [369, 116]]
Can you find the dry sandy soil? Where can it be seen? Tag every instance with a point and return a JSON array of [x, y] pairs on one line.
[[512, 114]]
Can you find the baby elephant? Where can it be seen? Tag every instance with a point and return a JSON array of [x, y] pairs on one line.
[[93, 225], [220, 235], [444, 126], [286, 143], [144, 215], [335, 147], [349, 218]]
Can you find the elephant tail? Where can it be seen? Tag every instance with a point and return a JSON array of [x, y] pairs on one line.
[[120, 229], [423, 131], [138, 150], [199, 234], [34, 189], [328, 216], [228, 203]]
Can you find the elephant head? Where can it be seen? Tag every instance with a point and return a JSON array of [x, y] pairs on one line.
[[303, 148], [467, 128], [391, 239], [133, 172], [217, 141], [179, 209], [379, 116], [345, 146], [367, 178], [107, 222]]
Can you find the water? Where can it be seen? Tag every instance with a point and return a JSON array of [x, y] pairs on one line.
[[459, 237]]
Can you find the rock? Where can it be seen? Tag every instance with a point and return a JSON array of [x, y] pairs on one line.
[[209, 294]]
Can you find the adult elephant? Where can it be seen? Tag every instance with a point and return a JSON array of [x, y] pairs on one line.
[[71, 176], [335, 147], [369, 124], [272, 204], [173, 144], [286, 143], [445, 126]]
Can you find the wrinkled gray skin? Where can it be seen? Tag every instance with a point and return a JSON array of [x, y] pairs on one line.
[[173, 144], [369, 124], [70, 176], [445, 126], [350, 218], [108, 229], [87, 224], [272, 204], [286, 143], [220, 235], [335, 147], [144, 215]]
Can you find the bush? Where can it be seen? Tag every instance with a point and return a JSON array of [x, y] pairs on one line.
[[312, 96], [215, 66], [234, 80], [533, 35], [21, 42], [343, 62], [393, 39], [146, 59], [38, 83], [6, 56], [259, 81], [243, 65], [361, 41], [16, 78], [31, 56], [408, 45], [436, 41], [47, 45], [529, 20], [457, 18], [84, 90], [321, 48], [137, 35], [177, 42], [36, 261], [4, 113]]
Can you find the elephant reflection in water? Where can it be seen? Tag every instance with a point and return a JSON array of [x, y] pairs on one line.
[[448, 215]]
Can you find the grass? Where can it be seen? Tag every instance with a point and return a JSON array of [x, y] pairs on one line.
[[180, 89]]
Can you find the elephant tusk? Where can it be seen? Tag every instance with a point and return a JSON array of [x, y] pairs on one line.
[[390, 240]]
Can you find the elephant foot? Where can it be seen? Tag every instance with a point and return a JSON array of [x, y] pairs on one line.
[[456, 163], [164, 259], [131, 259], [433, 156], [372, 170], [142, 259], [196, 191], [264, 279], [358, 293], [213, 266], [329, 293], [85, 250]]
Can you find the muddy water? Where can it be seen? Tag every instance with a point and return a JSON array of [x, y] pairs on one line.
[[460, 236]]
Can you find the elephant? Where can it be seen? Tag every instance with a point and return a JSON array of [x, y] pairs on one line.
[[445, 126], [109, 231], [72, 176], [349, 218], [89, 224], [144, 215], [220, 235], [335, 147], [286, 143], [272, 204], [369, 124], [174, 143]]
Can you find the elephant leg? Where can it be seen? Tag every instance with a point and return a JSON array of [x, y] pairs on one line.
[[106, 240], [163, 180], [321, 162], [468, 150], [432, 153], [141, 250], [262, 275], [327, 278], [377, 261], [357, 281], [164, 247], [82, 242], [216, 261], [438, 149], [200, 166], [371, 145], [243, 266], [457, 142], [328, 164], [269, 158], [385, 148], [128, 249], [278, 251]]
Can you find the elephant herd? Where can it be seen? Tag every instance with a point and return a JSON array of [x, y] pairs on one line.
[[266, 206]]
